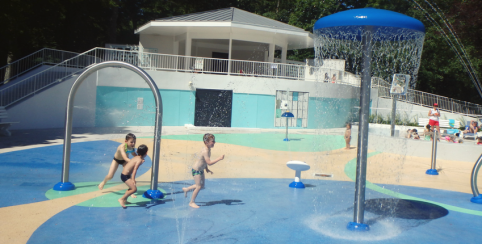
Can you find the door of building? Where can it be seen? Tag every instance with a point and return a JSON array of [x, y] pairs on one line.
[[213, 108]]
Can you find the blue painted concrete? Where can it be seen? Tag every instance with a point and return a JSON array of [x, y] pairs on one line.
[[257, 211], [27, 174]]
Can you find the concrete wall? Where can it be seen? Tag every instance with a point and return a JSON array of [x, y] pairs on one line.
[[253, 99], [46, 109], [109, 98], [164, 44]]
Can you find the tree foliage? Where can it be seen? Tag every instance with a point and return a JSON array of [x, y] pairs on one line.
[[79, 25]]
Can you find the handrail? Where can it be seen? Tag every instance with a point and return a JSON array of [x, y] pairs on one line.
[[428, 99], [32, 61], [45, 78]]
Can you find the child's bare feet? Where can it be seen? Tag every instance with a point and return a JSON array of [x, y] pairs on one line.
[[193, 205], [122, 203], [133, 196], [101, 185], [185, 191]]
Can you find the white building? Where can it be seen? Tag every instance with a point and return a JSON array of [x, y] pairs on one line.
[[215, 68]]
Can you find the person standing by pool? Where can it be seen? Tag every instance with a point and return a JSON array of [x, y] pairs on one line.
[[121, 157], [434, 115], [199, 166], [348, 135]]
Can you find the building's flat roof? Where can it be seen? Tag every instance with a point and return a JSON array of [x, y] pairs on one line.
[[233, 15], [228, 20]]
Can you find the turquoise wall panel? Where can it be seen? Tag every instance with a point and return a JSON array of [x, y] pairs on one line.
[[117, 106], [330, 112], [187, 104], [266, 111], [245, 110]]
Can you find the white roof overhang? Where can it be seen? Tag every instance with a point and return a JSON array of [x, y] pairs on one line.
[[295, 39]]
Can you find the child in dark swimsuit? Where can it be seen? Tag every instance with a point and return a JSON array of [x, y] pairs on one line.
[[129, 172], [199, 166], [121, 157]]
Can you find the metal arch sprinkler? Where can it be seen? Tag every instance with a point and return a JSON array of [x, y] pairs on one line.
[[64, 184], [473, 182], [367, 31]]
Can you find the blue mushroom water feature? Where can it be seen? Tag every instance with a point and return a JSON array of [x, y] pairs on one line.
[[373, 43]]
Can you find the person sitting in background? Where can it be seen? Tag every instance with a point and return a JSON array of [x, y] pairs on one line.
[[415, 134], [409, 133], [427, 132], [473, 127], [479, 140]]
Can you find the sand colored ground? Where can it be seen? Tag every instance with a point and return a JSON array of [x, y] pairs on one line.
[[176, 158]]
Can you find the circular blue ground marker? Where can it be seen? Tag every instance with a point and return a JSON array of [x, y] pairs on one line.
[[477, 199], [431, 172], [295, 184], [153, 194], [357, 227], [64, 186]]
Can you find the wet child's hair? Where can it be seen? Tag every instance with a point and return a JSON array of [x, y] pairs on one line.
[[207, 137], [348, 124], [130, 136], [142, 150], [427, 126]]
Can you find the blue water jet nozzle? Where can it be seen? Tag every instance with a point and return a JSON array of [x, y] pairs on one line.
[[153, 194], [64, 186], [354, 226]]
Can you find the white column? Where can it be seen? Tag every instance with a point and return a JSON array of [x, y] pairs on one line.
[[230, 50], [284, 49], [175, 47], [187, 62], [188, 45], [271, 53]]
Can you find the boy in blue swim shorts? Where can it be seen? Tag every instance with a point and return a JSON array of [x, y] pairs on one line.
[[129, 172], [121, 157], [201, 164]]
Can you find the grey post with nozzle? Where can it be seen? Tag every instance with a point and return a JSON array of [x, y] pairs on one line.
[[361, 163], [433, 170], [394, 108], [65, 185]]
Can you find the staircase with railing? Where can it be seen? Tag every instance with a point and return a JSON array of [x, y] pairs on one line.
[[428, 99], [45, 56]]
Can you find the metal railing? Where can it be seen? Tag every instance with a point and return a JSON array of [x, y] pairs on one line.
[[18, 90], [428, 99], [45, 56], [154, 61]]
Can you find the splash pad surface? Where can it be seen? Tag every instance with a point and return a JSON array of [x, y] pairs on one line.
[[246, 200]]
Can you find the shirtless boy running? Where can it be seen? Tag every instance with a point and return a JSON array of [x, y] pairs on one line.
[[129, 172], [199, 166], [121, 157]]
